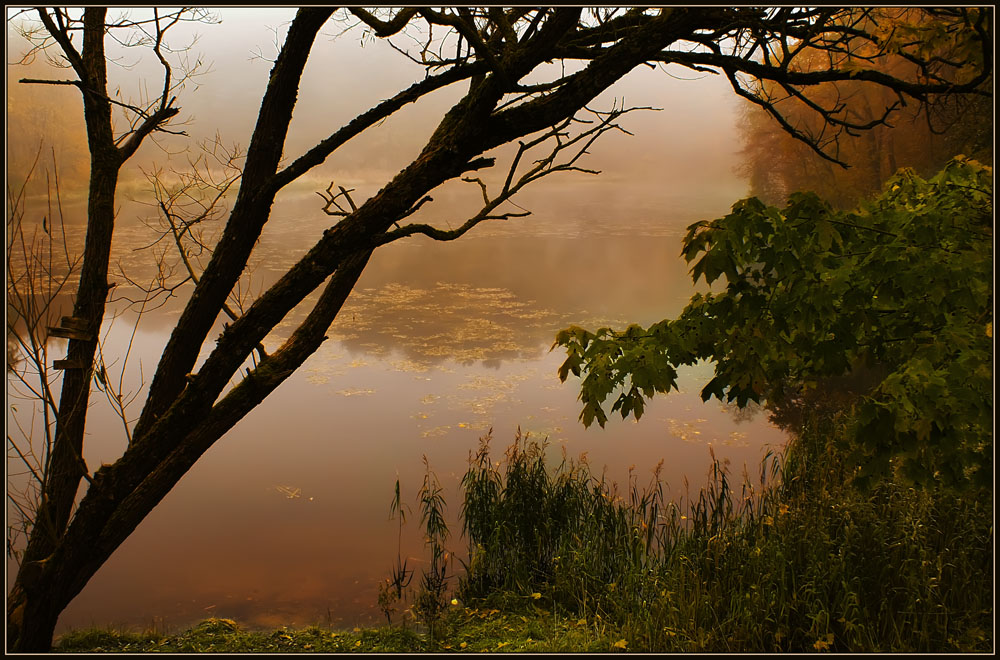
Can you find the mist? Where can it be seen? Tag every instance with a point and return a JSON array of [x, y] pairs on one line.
[[439, 342], [689, 139]]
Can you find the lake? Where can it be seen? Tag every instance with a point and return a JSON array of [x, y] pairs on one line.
[[285, 521]]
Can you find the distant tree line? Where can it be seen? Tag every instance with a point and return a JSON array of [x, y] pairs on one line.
[[921, 136]]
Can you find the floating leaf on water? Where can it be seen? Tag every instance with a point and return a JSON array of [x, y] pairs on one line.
[[737, 439], [356, 392], [684, 430], [409, 365], [289, 492]]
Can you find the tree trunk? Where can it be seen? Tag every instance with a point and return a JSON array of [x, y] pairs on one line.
[[32, 611], [42, 593]]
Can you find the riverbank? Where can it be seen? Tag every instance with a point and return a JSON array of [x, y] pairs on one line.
[[464, 629], [795, 561]]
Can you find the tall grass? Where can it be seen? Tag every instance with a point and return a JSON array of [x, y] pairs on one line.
[[795, 560]]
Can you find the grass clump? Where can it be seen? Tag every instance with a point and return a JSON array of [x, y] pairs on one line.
[[457, 630], [226, 636], [798, 560]]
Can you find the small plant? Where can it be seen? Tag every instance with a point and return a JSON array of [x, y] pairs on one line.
[[390, 590], [431, 601]]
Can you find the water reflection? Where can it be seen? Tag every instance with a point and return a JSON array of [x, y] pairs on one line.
[[285, 520]]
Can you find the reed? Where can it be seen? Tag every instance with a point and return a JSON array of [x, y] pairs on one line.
[[795, 560]]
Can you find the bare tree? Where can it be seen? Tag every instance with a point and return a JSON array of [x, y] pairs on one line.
[[491, 51], [39, 271]]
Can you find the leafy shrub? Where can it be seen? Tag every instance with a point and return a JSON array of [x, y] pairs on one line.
[[900, 289]]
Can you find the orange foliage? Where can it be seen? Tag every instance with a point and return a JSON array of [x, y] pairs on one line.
[[46, 117], [916, 136]]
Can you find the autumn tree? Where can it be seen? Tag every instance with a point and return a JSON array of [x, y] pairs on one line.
[[492, 53], [922, 136]]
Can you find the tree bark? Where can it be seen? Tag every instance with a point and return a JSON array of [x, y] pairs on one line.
[[31, 611], [250, 213], [101, 524], [66, 467]]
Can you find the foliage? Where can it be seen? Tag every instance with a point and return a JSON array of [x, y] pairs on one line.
[[921, 136], [529, 527], [226, 636], [900, 288], [430, 603], [798, 561], [465, 629], [390, 591]]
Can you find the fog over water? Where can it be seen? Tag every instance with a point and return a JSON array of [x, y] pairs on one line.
[[285, 520]]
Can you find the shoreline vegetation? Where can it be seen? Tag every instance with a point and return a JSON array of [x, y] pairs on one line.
[[871, 531], [795, 559]]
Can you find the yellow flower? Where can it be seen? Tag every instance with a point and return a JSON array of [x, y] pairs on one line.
[[768, 520], [454, 601], [783, 509], [536, 595], [463, 645], [823, 644], [620, 644]]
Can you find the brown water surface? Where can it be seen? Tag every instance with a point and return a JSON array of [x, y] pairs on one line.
[[285, 521]]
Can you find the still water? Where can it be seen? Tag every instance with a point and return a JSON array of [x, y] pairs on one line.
[[285, 521]]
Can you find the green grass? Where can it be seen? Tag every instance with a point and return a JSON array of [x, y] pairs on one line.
[[461, 629], [225, 635]]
